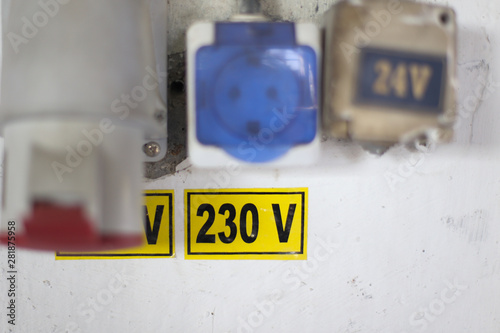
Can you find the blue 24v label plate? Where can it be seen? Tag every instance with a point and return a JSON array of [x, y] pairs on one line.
[[402, 80]]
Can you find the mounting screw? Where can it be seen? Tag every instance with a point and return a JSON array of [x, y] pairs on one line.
[[152, 149], [444, 18]]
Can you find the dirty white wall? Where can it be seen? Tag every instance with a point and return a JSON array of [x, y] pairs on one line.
[[420, 254]]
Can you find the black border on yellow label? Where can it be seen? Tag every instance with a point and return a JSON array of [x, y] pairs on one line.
[[250, 255], [123, 254]]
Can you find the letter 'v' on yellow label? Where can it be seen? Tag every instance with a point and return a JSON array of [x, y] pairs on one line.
[[158, 222], [246, 224]]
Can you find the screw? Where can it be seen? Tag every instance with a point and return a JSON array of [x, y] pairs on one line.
[[152, 149], [422, 142], [444, 18]]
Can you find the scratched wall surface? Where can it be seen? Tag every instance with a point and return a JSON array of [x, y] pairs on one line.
[[406, 242]]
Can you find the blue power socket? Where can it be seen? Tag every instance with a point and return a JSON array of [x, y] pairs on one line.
[[256, 91]]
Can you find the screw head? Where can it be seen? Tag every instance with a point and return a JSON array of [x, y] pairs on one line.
[[152, 149]]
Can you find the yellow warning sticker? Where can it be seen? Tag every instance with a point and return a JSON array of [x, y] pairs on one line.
[[158, 232], [269, 224]]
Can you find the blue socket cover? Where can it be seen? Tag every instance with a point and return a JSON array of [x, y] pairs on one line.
[[256, 91]]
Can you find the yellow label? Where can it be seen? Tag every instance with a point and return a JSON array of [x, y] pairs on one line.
[[246, 224], [158, 232]]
